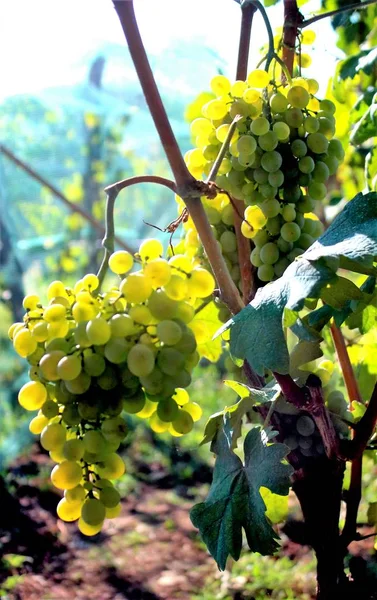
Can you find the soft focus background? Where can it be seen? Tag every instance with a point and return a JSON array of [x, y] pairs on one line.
[[71, 108]]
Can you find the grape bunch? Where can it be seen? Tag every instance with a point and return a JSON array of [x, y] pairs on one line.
[[93, 355], [280, 156]]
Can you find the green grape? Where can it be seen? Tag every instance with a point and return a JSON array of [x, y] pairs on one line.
[[182, 379], [259, 126], [317, 143], [266, 273], [54, 313], [94, 441], [53, 436], [321, 172], [161, 306], [121, 262], [292, 193], [309, 227], [58, 344], [228, 242], [80, 335], [183, 423], [170, 361], [40, 331], [255, 259], [187, 343], [332, 163], [288, 212], [317, 190], [114, 429], [290, 232], [93, 512], [98, 331], [110, 497], [136, 288], [300, 220], [328, 106], [69, 367], [280, 266], [122, 325], [271, 208], [305, 205], [295, 253], [326, 127], [140, 360], [76, 495], [298, 97], [273, 225], [112, 467], [336, 402], [305, 241], [299, 148], [89, 530], [276, 179], [282, 130], [32, 395], [246, 144], [269, 253], [68, 511], [49, 365], [66, 475], [278, 103], [108, 380], [116, 350], [194, 410], [150, 249], [261, 238], [283, 245], [167, 410], [268, 191], [311, 124], [135, 404], [70, 415], [94, 364], [294, 117], [260, 176], [73, 449], [227, 215], [305, 425], [80, 384], [271, 161], [336, 149], [50, 409], [169, 332], [306, 164], [268, 141]]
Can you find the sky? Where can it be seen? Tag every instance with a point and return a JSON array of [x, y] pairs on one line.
[[45, 43]]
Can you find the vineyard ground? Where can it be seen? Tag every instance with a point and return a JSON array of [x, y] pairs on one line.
[[150, 552]]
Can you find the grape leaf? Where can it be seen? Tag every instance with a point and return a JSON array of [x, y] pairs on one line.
[[236, 412], [205, 323], [235, 502], [257, 332], [349, 67], [371, 167]]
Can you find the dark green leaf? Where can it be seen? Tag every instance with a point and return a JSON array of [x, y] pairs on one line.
[[371, 167], [337, 293], [235, 502], [257, 333], [349, 67]]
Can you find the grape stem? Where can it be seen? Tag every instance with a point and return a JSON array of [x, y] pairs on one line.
[[118, 186], [258, 5], [217, 164], [332, 13], [188, 188], [247, 270], [70, 205], [108, 240], [354, 492], [292, 21]]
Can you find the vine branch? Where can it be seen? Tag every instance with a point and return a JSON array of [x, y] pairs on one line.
[[188, 188], [292, 21], [332, 13], [54, 190]]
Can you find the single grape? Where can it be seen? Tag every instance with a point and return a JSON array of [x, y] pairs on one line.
[[281, 130], [317, 143], [183, 423], [158, 271], [150, 249], [298, 97], [271, 161], [201, 282], [317, 190], [73, 449], [269, 253], [278, 103], [69, 367], [299, 148], [305, 425], [140, 360], [271, 208], [288, 212], [98, 331], [112, 467], [53, 436], [266, 273], [290, 232], [66, 475], [68, 511], [306, 164], [93, 512], [259, 126], [32, 395], [268, 141]]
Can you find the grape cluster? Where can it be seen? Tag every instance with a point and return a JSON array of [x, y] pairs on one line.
[[93, 355], [280, 156]]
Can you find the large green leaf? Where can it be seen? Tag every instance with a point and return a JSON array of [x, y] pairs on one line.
[[257, 331], [235, 502]]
